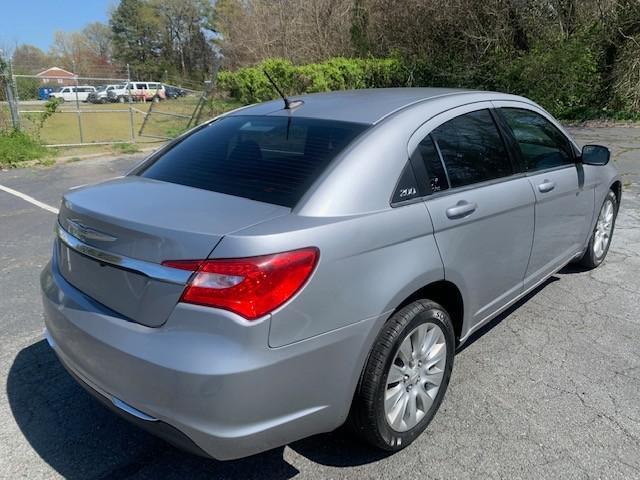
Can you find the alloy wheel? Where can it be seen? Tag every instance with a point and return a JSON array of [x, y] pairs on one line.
[[604, 227], [414, 377]]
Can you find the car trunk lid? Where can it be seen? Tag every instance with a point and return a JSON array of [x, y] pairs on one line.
[[117, 233]]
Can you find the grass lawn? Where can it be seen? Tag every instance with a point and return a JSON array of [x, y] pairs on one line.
[[112, 122], [100, 123]]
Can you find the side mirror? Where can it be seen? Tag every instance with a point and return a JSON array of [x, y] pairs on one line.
[[595, 155]]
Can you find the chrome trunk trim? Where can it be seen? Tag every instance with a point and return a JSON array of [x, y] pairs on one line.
[[148, 269]]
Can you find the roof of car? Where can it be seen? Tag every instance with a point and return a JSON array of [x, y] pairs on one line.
[[361, 106]]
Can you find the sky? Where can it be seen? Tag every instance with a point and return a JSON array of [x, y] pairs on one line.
[[35, 21]]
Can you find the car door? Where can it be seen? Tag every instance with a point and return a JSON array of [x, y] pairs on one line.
[[564, 203], [482, 209]]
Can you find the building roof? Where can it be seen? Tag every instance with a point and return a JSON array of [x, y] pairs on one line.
[[55, 72], [361, 106]]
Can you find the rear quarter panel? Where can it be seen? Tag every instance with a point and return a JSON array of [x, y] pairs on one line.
[[368, 264]]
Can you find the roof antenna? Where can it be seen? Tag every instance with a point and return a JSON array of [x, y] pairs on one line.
[[288, 104]]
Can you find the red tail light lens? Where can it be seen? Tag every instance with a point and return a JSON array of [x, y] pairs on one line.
[[251, 287]]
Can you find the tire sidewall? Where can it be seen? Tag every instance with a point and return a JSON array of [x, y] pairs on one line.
[[393, 439]]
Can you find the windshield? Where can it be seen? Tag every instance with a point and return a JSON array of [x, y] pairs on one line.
[[269, 159], [101, 88]]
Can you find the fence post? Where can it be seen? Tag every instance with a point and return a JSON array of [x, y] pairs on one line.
[[133, 134], [7, 82], [78, 107], [13, 92]]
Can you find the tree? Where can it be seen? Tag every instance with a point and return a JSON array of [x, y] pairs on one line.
[[29, 59], [298, 30], [137, 37], [67, 50], [188, 29], [154, 36], [97, 40]]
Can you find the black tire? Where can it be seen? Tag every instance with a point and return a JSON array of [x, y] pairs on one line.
[[590, 259], [367, 417]]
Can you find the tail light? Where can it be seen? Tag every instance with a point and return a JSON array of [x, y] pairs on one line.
[[251, 287]]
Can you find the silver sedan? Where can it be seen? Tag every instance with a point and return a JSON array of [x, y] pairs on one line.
[[283, 269]]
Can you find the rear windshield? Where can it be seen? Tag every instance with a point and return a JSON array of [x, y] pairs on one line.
[[269, 159]]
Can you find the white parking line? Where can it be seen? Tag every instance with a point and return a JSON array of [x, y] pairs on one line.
[[29, 199]]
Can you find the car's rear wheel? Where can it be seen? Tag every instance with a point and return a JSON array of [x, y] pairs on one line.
[[602, 233], [405, 377]]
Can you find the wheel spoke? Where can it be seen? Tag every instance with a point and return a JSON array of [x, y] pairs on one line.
[[608, 213], [396, 374], [436, 353], [597, 245], [425, 399], [404, 353], [433, 376], [430, 339], [392, 396], [398, 412], [412, 410], [417, 340]]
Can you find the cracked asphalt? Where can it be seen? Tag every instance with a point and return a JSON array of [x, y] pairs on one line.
[[550, 389]]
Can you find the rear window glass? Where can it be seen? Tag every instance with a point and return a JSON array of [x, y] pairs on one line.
[[269, 159]]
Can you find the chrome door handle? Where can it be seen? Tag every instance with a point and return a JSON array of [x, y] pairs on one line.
[[546, 186], [461, 209]]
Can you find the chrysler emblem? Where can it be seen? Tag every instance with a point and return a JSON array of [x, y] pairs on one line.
[[84, 233]]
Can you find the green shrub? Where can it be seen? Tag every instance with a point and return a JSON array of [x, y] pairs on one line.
[[250, 85], [27, 88], [16, 147], [564, 78]]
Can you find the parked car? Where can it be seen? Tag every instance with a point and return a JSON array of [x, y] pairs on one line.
[[71, 94], [275, 272], [139, 91], [101, 94], [174, 92]]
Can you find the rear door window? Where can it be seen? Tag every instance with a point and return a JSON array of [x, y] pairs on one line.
[[269, 159], [541, 144], [427, 159], [472, 149]]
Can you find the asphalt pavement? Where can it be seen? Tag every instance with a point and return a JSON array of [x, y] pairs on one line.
[[549, 389]]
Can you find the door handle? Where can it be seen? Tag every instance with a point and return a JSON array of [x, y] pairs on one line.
[[546, 186], [461, 209]]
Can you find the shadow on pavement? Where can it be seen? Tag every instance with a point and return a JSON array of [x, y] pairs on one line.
[[477, 335], [80, 438]]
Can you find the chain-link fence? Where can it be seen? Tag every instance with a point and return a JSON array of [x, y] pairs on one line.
[[66, 109]]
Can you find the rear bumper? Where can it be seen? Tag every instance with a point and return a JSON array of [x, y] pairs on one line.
[[155, 427], [212, 382]]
